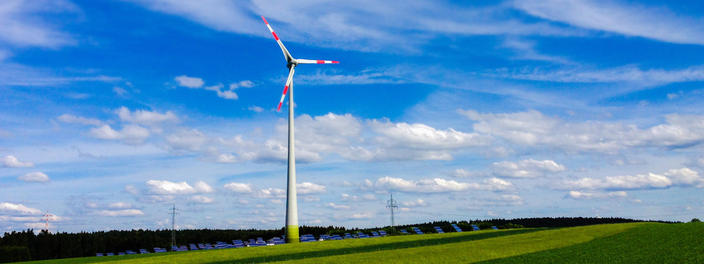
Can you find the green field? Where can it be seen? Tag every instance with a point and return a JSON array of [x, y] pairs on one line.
[[613, 243]]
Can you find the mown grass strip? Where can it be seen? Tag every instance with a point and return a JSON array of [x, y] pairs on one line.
[[651, 243], [299, 251], [480, 250]]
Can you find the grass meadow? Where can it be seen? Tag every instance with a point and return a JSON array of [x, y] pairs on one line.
[[611, 243]]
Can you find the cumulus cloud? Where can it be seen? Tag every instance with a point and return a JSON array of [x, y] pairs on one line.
[[529, 168], [191, 140], [119, 205], [145, 117], [425, 137], [596, 195], [168, 187], [355, 198], [130, 134], [219, 89], [239, 187], [121, 212], [72, 119], [203, 187], [309, 188], [673, 177], [11, 161], [461, 173], [226, 158], [338, 206], [20, 209], [532, 128], [201, 199], [189, 82], [36, 176], [271, 193], [416, 203], [256, 109], [438, 185]]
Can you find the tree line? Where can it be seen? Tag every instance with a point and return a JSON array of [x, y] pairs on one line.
[[30, 245]]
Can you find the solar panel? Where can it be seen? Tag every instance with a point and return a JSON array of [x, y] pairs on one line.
[[130, 252], [438, 229], [98, 254], [475, 228], [382, 233], [143, 251], [457, 228], [417, 230], [403, 231], [494, 227], [110, 254]]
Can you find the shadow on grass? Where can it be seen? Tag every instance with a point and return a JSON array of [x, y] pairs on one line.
[[378, 247]]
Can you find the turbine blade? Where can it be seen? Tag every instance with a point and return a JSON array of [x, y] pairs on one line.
[[288, 83], [287, 55], [304, 61]]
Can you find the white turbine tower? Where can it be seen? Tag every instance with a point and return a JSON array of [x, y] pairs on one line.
[[291, 203]]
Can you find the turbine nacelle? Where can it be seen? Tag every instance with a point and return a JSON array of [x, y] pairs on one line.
[[291, 62]]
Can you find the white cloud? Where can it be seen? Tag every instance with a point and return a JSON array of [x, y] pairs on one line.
[[11, 161], [167, 187], [416, 203], [271, 193], [119, 205], [226, 158], [435, 185], [131, 189], [631, 20], [596, 195], [363, 215], [529, 168], [255, 109], [189, 82], [130, 134], [119, 91], [425, 137], [343, 24], [191, 140], [239, 187], [121, 212], [23, 26], [338, 206], [355, 198], [309, 188], [201, 199], [144, 117], [203, 187], [625, 74], [21, 209], [219, 89], [674, 177], [72, 119], [532, 128], [36, 176], [461, 173], [496, 184]]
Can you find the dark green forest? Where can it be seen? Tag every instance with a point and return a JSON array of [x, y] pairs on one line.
[[28, 245]]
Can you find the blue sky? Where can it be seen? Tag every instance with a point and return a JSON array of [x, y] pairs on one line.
[[112, 111]]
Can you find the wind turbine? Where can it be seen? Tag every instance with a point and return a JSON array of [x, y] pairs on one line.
[[291, 202]]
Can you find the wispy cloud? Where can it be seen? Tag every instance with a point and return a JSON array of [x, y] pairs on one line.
[[637, 20]]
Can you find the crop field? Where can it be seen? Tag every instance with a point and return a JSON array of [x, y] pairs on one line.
[[611, 243]]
